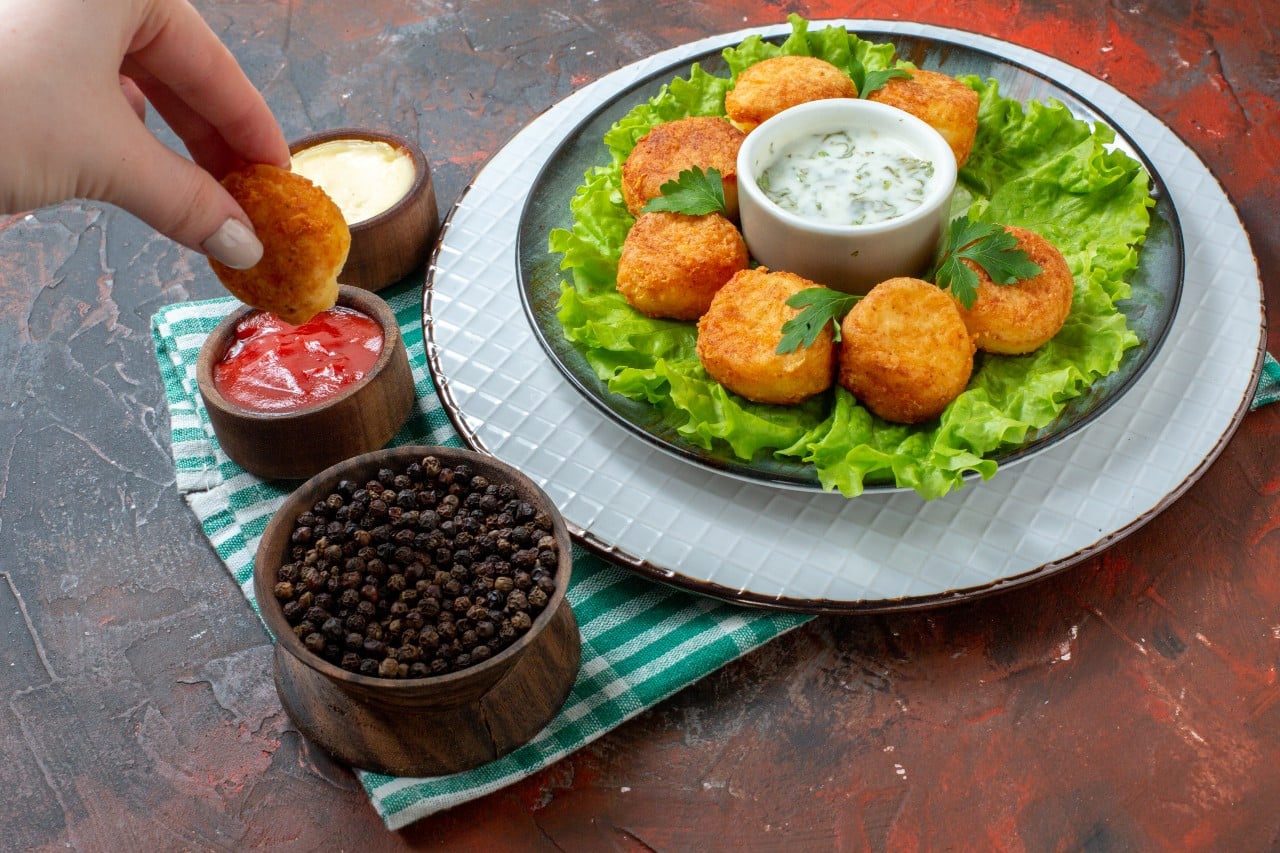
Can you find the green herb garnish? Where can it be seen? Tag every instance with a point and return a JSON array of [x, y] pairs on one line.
[[821, 305], [987, 245], [871, 81], [693, 192]]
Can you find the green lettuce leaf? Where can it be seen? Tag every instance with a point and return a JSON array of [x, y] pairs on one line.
[[1033, 165]]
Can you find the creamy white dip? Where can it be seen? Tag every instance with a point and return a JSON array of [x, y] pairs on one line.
[[847, 177], [363, 177]]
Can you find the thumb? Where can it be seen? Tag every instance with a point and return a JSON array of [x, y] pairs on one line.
[[175, 196]]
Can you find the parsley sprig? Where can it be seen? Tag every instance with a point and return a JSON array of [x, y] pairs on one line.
[[821, 305], [989, 246], [870, 81], [693, 192]]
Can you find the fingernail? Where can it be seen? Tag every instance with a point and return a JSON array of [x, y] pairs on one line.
[[234, 244]]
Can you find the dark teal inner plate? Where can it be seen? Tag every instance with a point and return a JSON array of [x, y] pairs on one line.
[[1149, 312]]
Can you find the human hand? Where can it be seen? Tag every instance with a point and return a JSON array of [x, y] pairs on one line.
[[77, 76]]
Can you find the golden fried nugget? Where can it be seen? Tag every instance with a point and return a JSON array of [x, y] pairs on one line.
[[304, 240], [1017, 318], [939, 100], [738, 340], [708, 142], [904, 351], [772, 85], [673, 264]]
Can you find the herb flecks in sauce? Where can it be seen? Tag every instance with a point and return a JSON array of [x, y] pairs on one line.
[[847, 177]]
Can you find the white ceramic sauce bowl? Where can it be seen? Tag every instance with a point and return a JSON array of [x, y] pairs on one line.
[[852, 258]]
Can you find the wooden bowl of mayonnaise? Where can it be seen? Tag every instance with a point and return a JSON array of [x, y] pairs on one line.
[[382, 184]]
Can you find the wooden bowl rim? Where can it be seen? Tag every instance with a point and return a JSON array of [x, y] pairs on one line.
[[421, 169], [281, 526], [349, 296]]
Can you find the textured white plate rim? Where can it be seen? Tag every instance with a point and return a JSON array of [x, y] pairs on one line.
[[935, 555]]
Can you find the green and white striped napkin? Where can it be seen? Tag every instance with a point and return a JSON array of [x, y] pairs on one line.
[[1268, 384], [641, 641]]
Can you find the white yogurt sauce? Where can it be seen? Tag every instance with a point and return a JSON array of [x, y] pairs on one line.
[[847, 177], [363, 177]]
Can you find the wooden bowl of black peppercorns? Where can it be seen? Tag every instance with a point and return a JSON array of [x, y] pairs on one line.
[[417, 598]]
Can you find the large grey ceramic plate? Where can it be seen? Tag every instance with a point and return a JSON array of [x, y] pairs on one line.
[[1157, 283], [796, 549]]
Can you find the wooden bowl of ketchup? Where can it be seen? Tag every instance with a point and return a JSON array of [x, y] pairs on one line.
[[289, 401]]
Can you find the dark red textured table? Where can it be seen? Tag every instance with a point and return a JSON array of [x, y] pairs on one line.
[[1130, 702]]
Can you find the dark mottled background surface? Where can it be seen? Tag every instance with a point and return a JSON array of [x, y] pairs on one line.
[[1129, 702]]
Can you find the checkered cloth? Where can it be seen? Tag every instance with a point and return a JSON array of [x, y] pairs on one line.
[[641, 641], [1268, 384]]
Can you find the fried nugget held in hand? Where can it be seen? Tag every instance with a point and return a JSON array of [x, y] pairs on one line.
[[772, 85], [939, 100], [904, 351], [708, 142], [672, 264], [304, 238], [1012, 319], [738, 339]]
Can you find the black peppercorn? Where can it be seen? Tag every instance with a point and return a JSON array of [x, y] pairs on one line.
[[292, 612], [417, 572]]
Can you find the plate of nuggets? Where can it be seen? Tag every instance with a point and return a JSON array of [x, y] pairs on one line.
[[664, 321]]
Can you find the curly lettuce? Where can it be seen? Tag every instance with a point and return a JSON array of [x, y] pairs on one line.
[[1034, 165]]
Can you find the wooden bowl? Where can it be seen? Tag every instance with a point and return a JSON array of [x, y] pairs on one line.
[[389, 246], [296, 444], [421, 726]]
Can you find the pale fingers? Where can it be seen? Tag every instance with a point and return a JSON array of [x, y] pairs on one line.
[[178, 198], [200, 89]]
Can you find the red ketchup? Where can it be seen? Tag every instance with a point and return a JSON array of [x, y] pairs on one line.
[[275, 367]]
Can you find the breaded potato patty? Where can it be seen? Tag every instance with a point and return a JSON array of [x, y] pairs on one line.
[[708, 142], [904, 351], [939, 100], [673, 264], [1012, 319], [772, 85], [738, 340], [304, 240]]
